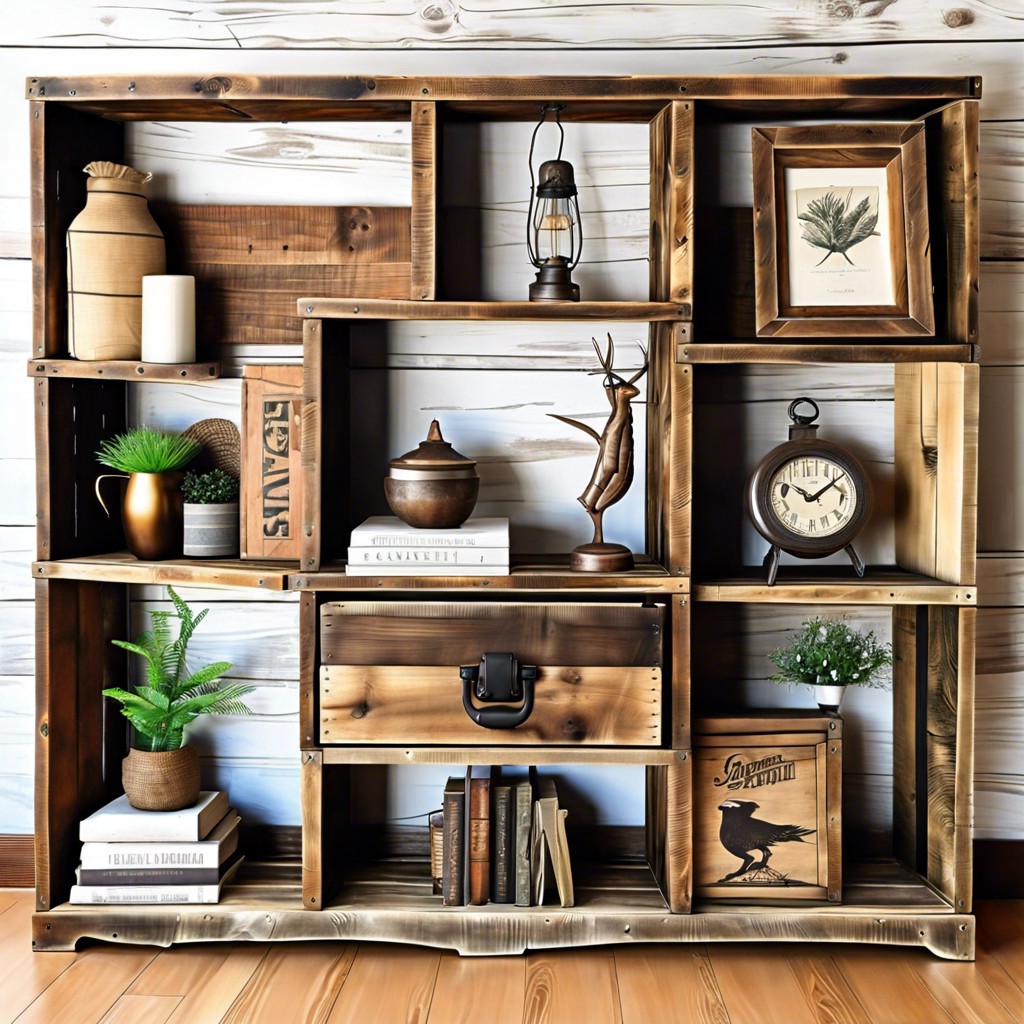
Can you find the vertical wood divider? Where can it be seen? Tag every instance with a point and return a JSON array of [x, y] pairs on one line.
[[671, 176], [679, 835], [963, 841], [680, 653], [309, 658], [905, 787], [57, 807], [326, 809], [312, 443], [960, 212], [425, 185]]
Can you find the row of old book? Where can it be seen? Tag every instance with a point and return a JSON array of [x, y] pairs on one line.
[[500, 838], [385, 546], [133, 856]]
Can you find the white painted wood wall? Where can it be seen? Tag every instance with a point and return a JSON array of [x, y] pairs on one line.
[[256, 758]]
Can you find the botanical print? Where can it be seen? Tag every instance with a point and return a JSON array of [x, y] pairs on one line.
[[837, 237], [836, 223]]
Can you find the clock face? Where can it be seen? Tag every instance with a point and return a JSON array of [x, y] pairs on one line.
[[813, 496]]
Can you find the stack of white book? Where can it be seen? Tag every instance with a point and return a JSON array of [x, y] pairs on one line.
[[133, 856], [385, 546]]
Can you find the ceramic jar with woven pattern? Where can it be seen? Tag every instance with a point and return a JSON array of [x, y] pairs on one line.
[[111, 245]]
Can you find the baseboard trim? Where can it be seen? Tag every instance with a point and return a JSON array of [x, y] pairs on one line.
[[17, 862], [997, 874]]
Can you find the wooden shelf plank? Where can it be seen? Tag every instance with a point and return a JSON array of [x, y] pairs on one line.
[[412, 309], [123, 369], [121, 567], [546, 573], [878, 586], [498, 754], [799, 352], [392, 901]]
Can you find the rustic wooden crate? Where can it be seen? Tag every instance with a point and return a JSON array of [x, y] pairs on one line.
[[271, 496], [390, 671], [788, 764]]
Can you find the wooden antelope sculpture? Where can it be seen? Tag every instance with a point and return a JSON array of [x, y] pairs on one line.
[[613, 472]]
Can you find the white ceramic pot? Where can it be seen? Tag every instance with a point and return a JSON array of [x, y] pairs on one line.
[[829, 697], [211, 531]]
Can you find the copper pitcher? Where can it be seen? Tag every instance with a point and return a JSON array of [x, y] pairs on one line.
[[151, 513]]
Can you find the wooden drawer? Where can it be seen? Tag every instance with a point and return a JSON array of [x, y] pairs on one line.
[[389, 671]]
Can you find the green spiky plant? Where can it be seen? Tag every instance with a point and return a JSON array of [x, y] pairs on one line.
[[831, 652], [145, 450], [829, 224], [161, 708]]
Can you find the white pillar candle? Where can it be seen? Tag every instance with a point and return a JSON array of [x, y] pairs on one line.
[[168, 318]]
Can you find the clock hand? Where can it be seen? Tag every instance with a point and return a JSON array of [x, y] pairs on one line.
[[803, 494], [831, 483]]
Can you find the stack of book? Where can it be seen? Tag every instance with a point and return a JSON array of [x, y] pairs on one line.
[[133, 856], [385, 546], [503, 840]]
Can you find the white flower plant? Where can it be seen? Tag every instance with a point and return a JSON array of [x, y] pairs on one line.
[[830, 652]]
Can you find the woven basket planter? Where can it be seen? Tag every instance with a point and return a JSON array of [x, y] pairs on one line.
[[161, 780], [112, 244]]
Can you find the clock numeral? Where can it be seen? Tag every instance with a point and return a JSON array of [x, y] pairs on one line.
[[792, 518], [839, 515], [824, 521], [811, 526], [784, 505]]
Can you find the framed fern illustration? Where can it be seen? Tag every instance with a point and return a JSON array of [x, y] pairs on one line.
[[841, 231]]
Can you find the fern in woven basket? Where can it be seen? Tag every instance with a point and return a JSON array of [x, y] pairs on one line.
[[172, 697]]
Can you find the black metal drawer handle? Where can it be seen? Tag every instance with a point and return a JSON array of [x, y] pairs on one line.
[[498, 679]]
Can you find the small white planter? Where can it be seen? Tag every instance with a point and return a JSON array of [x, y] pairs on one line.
[[211, 531], [829, 697]]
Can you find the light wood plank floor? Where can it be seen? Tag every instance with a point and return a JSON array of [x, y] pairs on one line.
[[367, 983]]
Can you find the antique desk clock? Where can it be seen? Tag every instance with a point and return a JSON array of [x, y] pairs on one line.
[[808, 497]]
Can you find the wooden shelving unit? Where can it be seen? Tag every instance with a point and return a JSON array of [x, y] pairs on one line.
[[692, 578]]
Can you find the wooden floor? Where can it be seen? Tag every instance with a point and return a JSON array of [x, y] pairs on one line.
[[367, 983]]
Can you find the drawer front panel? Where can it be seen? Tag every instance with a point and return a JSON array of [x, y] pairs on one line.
[[397, 704], [390, 672]]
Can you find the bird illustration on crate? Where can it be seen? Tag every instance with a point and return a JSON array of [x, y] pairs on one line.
[[741, 832], [613, 472]]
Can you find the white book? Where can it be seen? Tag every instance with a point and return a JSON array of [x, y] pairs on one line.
[[204, 853], [418, 556], [390, 531], [155, 893], [119, 822], [427, 570]]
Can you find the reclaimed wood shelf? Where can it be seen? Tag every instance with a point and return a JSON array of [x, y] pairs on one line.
[[392, 902], [817, 585], [547, 572], [386, 265], [372, 754], [123, 369], [122, 567], [408, 309], [688, 351]]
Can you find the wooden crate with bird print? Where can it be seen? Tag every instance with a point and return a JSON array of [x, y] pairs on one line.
[[767, 806]]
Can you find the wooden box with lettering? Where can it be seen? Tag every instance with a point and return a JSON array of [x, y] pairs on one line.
[[767, 791], [271, 497]]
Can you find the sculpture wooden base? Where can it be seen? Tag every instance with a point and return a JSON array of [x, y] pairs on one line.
[[601, 558]]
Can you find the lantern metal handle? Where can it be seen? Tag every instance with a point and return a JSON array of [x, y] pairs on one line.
[[556, 109]]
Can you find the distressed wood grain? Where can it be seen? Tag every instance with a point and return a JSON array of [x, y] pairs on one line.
[[595, 23]]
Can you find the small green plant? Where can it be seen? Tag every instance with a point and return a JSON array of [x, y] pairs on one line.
[[213, 488], [830, 652], [145, 450], [171, 697], [830, 225]]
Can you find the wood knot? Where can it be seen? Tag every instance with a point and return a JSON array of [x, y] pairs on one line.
[[361, 710], [958, 17]]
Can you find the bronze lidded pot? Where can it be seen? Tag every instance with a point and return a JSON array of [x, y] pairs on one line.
[[432, 487]]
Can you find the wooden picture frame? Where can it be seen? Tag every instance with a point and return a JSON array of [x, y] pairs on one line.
[[869, 181]]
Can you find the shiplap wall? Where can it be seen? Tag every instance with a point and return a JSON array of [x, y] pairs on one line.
[[256, 758]]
